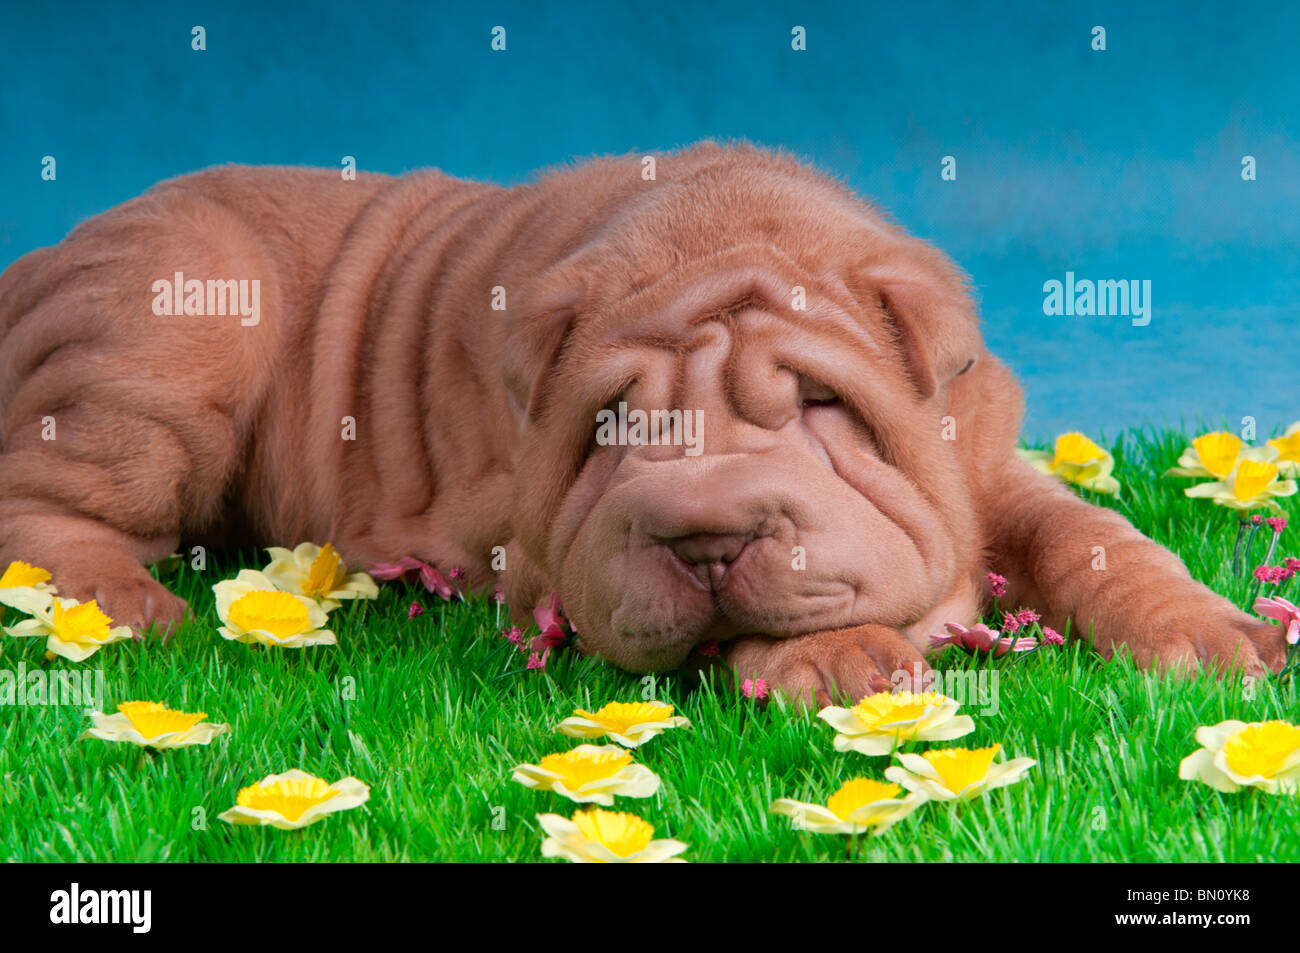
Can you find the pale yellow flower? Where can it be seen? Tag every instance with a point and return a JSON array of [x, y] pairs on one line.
[[152, 725], [318, 573], [590, 774], [1234, 755], [253, 610], [26, 588], [1253, 485], [952, 774], [1288, 449], [879, 723], [858, 806], [606, 837], [1217, 455], [294, 799], [74, 630], [629, 723], [1078, 460]]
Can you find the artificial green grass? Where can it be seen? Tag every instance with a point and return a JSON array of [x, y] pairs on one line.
[[411, 708]]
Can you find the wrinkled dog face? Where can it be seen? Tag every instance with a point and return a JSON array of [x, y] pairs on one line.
[[801, 482]]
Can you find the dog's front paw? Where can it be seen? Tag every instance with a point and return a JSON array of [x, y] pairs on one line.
[[124, 590], [1217, 641], [821, 668]]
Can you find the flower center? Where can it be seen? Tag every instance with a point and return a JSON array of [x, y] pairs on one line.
[[883, 710], [858, 793], [622, 834], [279, 613], [620, 716], [1259, 750], [289, 799], [152, 719], [578, 768], [1077, 449], [82, 624], [959, 768], [326, 573], [1253, 477], [20, 575], [1218, 451]]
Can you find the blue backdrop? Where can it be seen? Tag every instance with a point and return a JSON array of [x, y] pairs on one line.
[[1116, 164]]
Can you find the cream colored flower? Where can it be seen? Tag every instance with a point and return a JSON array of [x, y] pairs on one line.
[[606, 837], [152, 725], [318, 573], [26, 588], [629, 723], [879, 723], [858, 806], [952, 774], [1253, 485], [1078, 460], [1234, 755], [1288, 449], [294, 799], [74, 630], [1217, 455], [590, 774], [253, 610]]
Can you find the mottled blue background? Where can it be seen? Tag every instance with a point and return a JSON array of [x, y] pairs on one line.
[[1122, 164]]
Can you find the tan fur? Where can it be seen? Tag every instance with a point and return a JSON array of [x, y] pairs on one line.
[[474, 426]]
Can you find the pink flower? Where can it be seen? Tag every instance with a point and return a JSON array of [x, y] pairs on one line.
[[1052, 637], [1283, 612], [1277, 523], [1026, 616], [550, 620], [536, 661], [514, 635], [414, 610], [1257, 519], [980, 638], [386, 572], [754, 688], [709, 648], [458, 574], [1262, 573], [997, 584], [1010, 622], [435, 582], [1290, 566], [498, 597]]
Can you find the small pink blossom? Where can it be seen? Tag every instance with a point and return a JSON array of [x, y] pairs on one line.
[[414, 610], [535, 661], [1262, 573], [980, 638], [514, 635], [550, 620], [1052, 637], [1283, 612], [1276, 523], [997, 584], [1027, 617], [754, 688], [709, 648], [458, 574], [386, 572], [435, 582], [1010, 622], [1257, 519], [498, 597]]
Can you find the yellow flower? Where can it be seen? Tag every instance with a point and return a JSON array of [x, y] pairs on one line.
[[253, 610], [590, 774], [606, 837], [152, 725], [26, 588], [294, 799], [629, 723], [952, 774], [1077, 459], [1217, 455], [1234, 755], [879, 723], [858, 806], [1288, 449], [74, 630], [1253, 485], [318, 573]]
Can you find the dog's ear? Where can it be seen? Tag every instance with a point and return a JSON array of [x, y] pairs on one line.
[[533, 342], [931, 314]]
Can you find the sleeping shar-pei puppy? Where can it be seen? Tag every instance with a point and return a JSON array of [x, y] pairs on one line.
[[431, 367]]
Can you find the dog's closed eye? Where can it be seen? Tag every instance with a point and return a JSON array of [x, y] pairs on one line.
[[816, 394]]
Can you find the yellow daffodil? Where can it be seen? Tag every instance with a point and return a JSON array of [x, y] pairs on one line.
[[26, 588], [879, 723], [1253, 485], [74, 630], [294, 799], [1288, 450], [1217, 455], [606, 837], [1236, 755], [253, 610], [629, 723], [1077, 459], [858, 806], [590, 774], [952, 774], [152, 725], [318, 573]]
